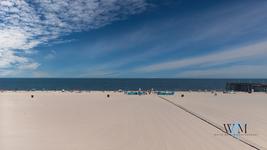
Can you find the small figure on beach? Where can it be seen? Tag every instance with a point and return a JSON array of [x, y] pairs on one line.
[[32, 96], [108, 95], [182, 95]]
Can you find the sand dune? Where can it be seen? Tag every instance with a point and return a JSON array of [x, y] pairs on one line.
[[82, 121]]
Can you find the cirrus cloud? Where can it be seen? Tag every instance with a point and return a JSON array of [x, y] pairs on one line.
[[250, 51], [25, 24]]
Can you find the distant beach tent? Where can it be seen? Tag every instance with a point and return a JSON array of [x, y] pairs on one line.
[[135, 93], [165, 93]]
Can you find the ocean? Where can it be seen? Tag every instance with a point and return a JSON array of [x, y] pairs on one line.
[[116, 84]]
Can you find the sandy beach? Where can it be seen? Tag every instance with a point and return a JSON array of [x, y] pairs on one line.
[[228, 108], [90, 120]]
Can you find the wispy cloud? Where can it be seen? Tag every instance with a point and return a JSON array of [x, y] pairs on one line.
[[213, 30], [162, 44], [225, 56], [218, 37], [50, 55], [25, 24], [237, 71]]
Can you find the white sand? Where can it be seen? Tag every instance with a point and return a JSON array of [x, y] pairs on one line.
[[230, 108], [82, 121]]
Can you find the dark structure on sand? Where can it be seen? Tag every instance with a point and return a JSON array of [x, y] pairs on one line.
[[247, 87]]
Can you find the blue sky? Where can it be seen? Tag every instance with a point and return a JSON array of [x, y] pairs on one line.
[[133, 38]]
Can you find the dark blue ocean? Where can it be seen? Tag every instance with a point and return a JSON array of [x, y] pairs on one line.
[[116, 84]]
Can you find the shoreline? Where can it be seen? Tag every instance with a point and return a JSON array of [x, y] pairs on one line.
[[124, 91]]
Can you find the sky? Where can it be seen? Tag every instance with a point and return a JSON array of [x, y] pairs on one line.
[[133, 38]]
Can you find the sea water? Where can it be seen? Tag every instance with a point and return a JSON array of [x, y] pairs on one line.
[[116, 84]]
